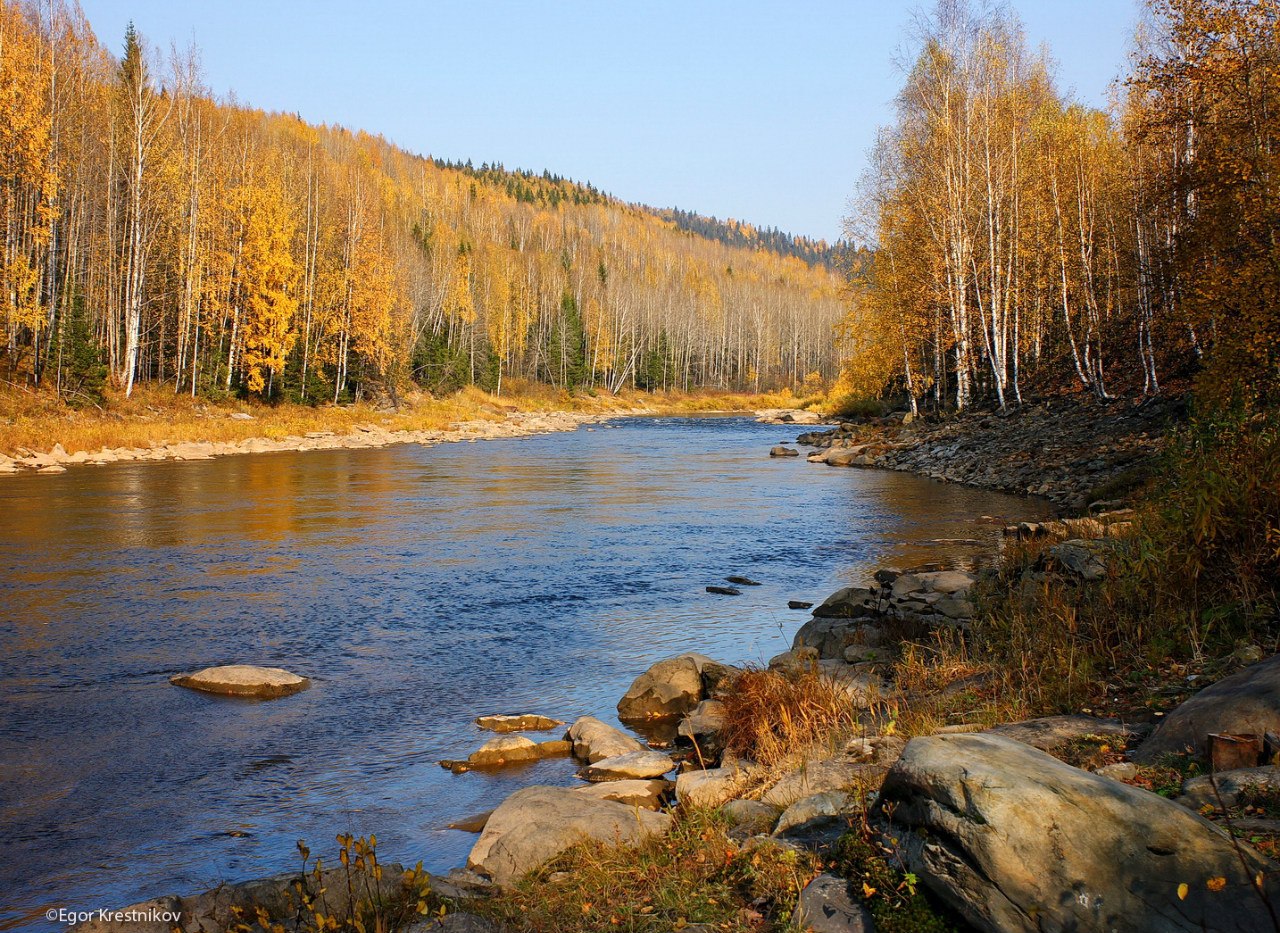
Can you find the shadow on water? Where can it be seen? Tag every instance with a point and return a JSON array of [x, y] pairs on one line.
[[419, 588]]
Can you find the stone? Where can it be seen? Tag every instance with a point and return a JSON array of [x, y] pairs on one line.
[[517, 722], [852, 602], [947, 582], [471, 824], [819, 776], [669, 688], [742, 581], [633, 765], [804, 658], [1246, 703], [1224, 788], [781, 451], [1120, 771], [648, 795], [1018, 842], [708, 788], [704, 723], [816, 808], [1053, 732], [1079, 558], [826, 906], [536, 824], [504, 750], [724, 590], [243, 680], [832, 637], [798, 604], [751, 815], [593, 740]]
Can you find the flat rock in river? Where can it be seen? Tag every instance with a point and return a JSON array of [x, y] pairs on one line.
[[631, 766], [243, 680], [593, 740], [517, 722]]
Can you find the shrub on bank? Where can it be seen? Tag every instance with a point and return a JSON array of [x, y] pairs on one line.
[[1197, 578]]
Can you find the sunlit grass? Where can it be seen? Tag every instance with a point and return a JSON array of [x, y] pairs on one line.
[[154, 416]]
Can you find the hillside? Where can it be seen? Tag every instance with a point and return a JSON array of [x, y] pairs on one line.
[[155, 234]]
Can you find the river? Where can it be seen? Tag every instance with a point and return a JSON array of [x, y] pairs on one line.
[[419, 588]]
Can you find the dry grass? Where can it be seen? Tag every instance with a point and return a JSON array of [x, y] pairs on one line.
[[152, 417], [778, 717], [695, 874]]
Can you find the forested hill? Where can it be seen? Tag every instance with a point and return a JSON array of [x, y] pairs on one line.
[[157, 234]]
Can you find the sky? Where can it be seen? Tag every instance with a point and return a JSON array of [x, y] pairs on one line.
[[760, 110]]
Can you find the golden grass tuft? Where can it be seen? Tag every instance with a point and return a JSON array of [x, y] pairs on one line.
[[775, 717]]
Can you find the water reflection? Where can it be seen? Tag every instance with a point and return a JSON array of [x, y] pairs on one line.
[[419, 588]]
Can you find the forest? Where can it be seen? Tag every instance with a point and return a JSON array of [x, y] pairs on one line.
[[1026, 242], [155, 234]]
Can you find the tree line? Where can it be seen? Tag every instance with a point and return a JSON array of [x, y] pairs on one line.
[[1023, 241], [154, 233]]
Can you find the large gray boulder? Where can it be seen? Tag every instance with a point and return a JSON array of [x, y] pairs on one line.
[[536, 824], [669, 688], [243, 680], [1247, 702], [1018, 842], [593, 740]]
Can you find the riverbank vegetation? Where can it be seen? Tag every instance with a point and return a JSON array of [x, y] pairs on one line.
[[1024, 242], [152, 416], [155, 235]]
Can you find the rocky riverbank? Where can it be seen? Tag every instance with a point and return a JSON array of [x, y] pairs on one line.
[[1071, 450], [516, 424]]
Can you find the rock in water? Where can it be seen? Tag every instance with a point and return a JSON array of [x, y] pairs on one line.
[[536, 824], [243, 680], [781, 451], [631, 766], [593, 740], [724, 590], [742, 581], [669, 688], [1018, 842], [504, 750], [517, 722], [1246, 702], [798, 604]]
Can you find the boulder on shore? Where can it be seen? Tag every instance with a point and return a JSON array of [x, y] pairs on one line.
[[670, 688], [1018, 842], [243, 680], [1247, 702], [536, 824], [646, 794]]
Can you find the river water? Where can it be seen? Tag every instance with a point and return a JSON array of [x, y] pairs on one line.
[[419, 588]]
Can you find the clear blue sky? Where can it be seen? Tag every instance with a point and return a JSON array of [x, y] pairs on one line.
[[751, 109]]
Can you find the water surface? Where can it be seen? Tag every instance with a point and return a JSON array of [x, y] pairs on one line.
[[419, 588]]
